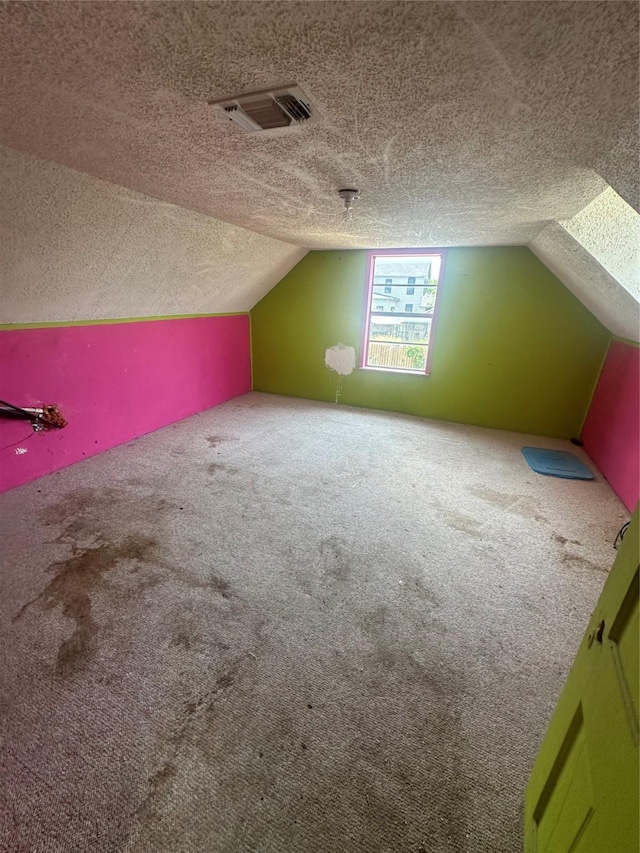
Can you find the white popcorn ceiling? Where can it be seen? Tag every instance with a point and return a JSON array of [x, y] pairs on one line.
[[77, 248], [596, 254], [609, 229], [588, 280], [477, 123]]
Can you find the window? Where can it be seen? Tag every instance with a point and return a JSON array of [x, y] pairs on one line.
[[399, 334], [388, 281]]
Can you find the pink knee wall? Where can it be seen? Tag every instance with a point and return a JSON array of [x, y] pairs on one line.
[[611, 432], [113, 383]]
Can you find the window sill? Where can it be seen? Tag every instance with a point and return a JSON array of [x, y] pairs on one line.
[[395, 370]]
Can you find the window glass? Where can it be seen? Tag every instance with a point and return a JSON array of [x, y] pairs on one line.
[[400, 317]]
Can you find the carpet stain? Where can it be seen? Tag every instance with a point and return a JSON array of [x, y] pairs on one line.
[[588, 564], [391, 670], [373, 623], [401, 740], [519, 504], [158, 783], [215, 440], [463, 523], [84, 515], [219, 585], [73, 503], [228, 679], [96, 551], [196, 716], [82, 510], [381, 625], [220, 467], [71, 587], [563, 540], [336, 559], [181, 641], [192, 705], [418, 586], [167, 771]]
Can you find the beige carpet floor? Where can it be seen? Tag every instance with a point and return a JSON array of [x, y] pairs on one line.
[[289, 626]]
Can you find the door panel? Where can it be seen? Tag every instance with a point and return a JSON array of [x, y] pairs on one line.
[[626, 652], [583, 792], [565, 807]]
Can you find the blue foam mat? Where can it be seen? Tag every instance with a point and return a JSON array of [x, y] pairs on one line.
[[556, 463]]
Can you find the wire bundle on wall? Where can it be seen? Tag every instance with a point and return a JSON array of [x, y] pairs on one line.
[[45, 417]]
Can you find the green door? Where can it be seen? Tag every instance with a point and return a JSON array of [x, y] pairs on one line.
[[582, 796]]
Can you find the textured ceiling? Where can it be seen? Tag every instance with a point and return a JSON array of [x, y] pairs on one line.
[[609, 229], [461, 123], [596, 254], [77, 248], [578, 270]]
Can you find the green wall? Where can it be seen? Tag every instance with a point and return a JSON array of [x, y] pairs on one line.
[[513, 349]]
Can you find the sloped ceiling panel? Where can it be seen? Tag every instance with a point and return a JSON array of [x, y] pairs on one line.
[[620, 164], [589, 281], [461, 123], [77, 248], [609, 229]]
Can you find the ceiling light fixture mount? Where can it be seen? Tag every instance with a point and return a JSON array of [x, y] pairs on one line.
[[349, 197]]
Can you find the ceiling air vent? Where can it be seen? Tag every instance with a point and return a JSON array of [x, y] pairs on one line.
[[268, 109]]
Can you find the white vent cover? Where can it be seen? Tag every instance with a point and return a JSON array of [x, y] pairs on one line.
[[268, 109]]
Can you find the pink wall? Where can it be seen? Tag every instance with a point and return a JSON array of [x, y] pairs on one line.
[[113, 383], [611, 432]]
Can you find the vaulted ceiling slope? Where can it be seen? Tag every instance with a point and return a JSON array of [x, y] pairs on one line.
[[596, 254], [78, 248], [462, 123]]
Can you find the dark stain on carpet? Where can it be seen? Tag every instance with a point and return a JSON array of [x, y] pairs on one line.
[[582, 561], [74, 581], [562, 540], [158, 784], [89, 522], [219, 467], [181, 640], [88, 510], [203, 703], [215, 440], [220, 585], [518, 504], [431, 692], [461, 522], [418, 586], [226, 680], [375, 620], [336, 558]]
